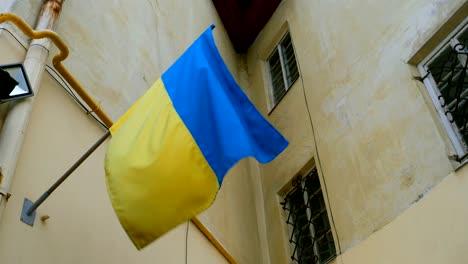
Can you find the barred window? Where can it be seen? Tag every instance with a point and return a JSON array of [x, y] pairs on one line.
[[311, 237], [283, 69], [444, 73]]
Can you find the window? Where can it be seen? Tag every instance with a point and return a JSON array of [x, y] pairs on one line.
[[444, 73], [283, 69], [311, 237]]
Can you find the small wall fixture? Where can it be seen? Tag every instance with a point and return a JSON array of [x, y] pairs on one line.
[[14, 83]]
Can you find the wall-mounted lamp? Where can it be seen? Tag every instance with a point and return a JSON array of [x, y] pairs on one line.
[[14, 83]]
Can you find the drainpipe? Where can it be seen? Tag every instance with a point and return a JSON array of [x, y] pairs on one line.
[[17, 118]]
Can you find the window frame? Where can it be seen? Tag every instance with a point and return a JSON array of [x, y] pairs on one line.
[[460, 147], [278, 49], [289, 218]]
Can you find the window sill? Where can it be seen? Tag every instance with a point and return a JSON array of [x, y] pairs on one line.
[[462, 163], [279, 101], [330, 259], [281, 98]]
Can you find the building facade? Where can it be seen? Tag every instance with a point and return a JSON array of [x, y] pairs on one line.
[[369, 94]]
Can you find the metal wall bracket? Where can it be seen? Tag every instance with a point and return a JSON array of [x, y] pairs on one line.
[[421, 78], [25, 218]]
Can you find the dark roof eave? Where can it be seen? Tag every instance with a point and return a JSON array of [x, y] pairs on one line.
[[244, 22]]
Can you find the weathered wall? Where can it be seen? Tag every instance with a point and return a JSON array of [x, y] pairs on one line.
[[82, 227], [6, 5], [129, 44], [432, 231], [380, 147], [117, 50]]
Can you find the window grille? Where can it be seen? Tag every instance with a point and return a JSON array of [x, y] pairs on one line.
[[311, 237], [283, 68], [445, 76]]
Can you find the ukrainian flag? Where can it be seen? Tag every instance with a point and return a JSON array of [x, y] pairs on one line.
[[170, 151]]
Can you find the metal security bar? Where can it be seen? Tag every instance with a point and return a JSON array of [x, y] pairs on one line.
[[449, 72], [311, 238], [276, 75], [283, 68], [444, 74], [289, 61]]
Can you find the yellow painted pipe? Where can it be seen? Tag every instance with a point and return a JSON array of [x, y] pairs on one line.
[[213, 240], [57, 62]]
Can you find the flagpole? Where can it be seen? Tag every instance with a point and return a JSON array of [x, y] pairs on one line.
[[29, 207]]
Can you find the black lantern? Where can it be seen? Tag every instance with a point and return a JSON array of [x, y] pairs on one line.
[[14, 83]]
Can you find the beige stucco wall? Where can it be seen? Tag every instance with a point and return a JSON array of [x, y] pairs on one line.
[[129, 43], [6, 5], [381, 149], [431, 231], [117, 50]]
